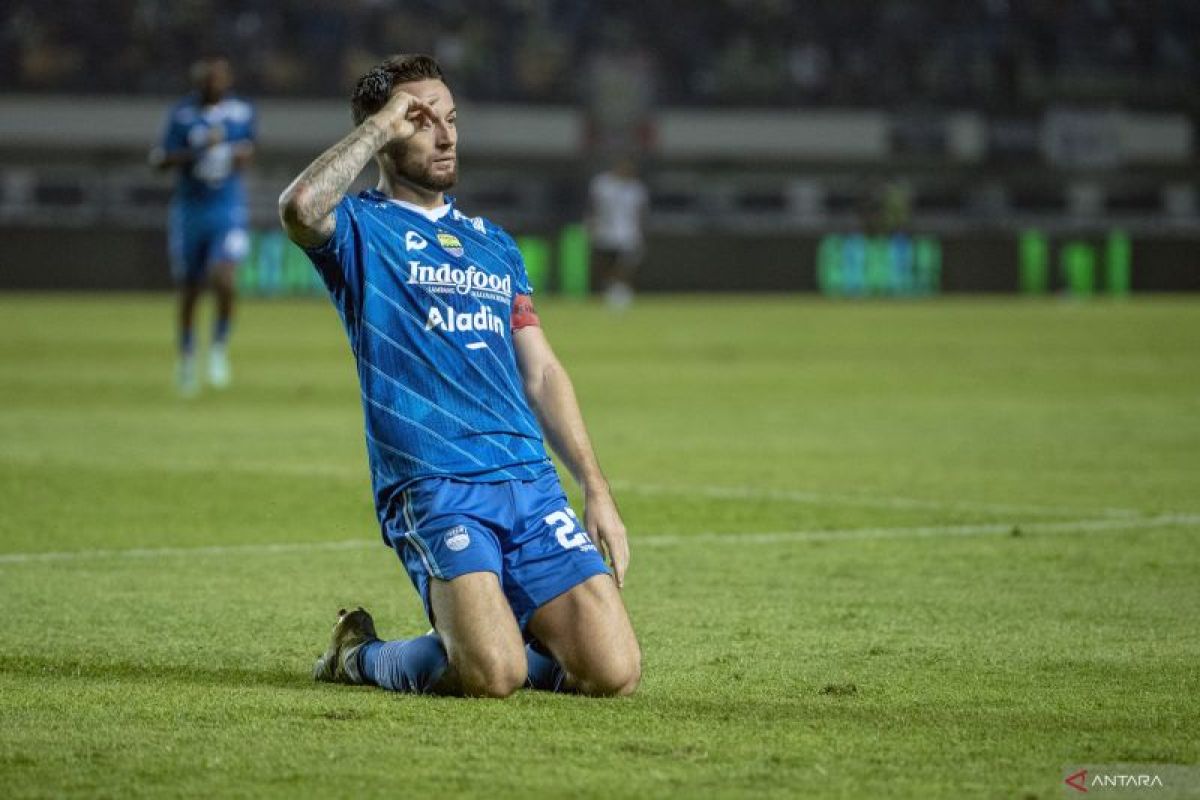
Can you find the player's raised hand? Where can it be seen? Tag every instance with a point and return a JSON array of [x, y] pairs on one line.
[[601, 518], [403, 115]]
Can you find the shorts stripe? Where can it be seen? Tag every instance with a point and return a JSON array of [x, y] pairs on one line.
[[412, 535]]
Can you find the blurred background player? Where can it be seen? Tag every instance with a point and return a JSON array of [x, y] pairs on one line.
[[209, 140], [617, 206]]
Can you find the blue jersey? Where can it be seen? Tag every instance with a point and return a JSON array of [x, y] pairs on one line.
[[430, 301], [210, 184]]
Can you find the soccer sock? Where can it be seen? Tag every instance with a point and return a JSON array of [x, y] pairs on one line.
[[221, 331], [187, 341], [408, 665], [544, 672]]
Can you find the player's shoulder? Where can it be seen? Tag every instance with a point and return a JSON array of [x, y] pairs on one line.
[[367, 199], [184, 110], [236, 109], [481, 225], [603, 180], [372, 210]]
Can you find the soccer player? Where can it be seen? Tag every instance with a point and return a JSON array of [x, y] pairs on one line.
[[458, 384], [617, 203], [209, 141]]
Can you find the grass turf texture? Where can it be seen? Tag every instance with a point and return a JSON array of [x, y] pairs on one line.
[[819, 665]]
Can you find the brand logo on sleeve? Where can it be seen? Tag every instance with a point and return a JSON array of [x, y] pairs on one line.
[[476, 222]]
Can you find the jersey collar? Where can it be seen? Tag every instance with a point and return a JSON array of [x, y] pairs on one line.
[[431, 214]]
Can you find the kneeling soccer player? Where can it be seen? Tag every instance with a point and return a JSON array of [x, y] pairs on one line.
[[456, 376]]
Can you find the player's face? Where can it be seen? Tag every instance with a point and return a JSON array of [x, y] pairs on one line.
[[429, 159], [214, 79]]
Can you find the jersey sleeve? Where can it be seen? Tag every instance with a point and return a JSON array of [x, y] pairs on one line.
[[174, 136], [523, 314], [246, 128], [339, 261], [252, 124]]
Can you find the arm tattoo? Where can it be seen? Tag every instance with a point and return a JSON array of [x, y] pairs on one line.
[[306, 206]]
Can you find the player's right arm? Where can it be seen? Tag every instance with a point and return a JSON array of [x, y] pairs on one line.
[[306, 206], [176, 148], [166, 159]]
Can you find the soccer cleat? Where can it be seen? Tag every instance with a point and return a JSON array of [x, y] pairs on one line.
[[220, 375], [619, 297], [340, 662], [186, 381]]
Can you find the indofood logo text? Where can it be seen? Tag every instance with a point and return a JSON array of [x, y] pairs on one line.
[[445, 279]]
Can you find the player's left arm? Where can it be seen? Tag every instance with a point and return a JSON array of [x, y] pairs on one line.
[[243, 147], [552, 397]]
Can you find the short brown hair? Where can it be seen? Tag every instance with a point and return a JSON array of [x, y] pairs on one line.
[[373, 89]]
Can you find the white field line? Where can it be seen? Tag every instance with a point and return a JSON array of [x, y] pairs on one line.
[[863, 500], [201, 550], [807, 497], [1094, 525]]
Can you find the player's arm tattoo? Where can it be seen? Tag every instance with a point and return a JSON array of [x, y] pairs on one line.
[[306, 206]]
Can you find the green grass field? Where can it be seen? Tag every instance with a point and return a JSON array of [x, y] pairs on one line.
[[928, 549]]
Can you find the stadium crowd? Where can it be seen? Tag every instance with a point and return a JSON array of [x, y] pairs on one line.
[[1003, 54]]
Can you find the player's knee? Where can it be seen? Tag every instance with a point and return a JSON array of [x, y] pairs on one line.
[[626, 678], [619, 676], [493, 675], [495, 685]]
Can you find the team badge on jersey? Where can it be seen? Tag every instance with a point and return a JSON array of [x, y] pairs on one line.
[[450, 244], [457, 538]]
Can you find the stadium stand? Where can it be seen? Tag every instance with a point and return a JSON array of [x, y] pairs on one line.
[[777, 122], [1002, 55]]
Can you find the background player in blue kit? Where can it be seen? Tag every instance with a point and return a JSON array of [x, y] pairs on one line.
[[458, 385], [209, 140]]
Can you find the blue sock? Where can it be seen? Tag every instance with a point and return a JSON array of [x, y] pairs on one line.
[[187, 342], [408, 665], [544, 672], [220, 331]]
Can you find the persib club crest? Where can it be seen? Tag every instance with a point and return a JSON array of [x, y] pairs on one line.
[[450, 244], [457, 538]]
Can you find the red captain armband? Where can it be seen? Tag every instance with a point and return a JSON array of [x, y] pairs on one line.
[[523, 314]]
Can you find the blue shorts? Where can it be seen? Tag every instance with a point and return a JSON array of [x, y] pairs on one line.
[[197, 239], [523, 531]]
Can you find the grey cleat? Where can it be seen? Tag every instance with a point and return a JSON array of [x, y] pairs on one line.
[[220, 375], [340, 662], [187, 383]]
